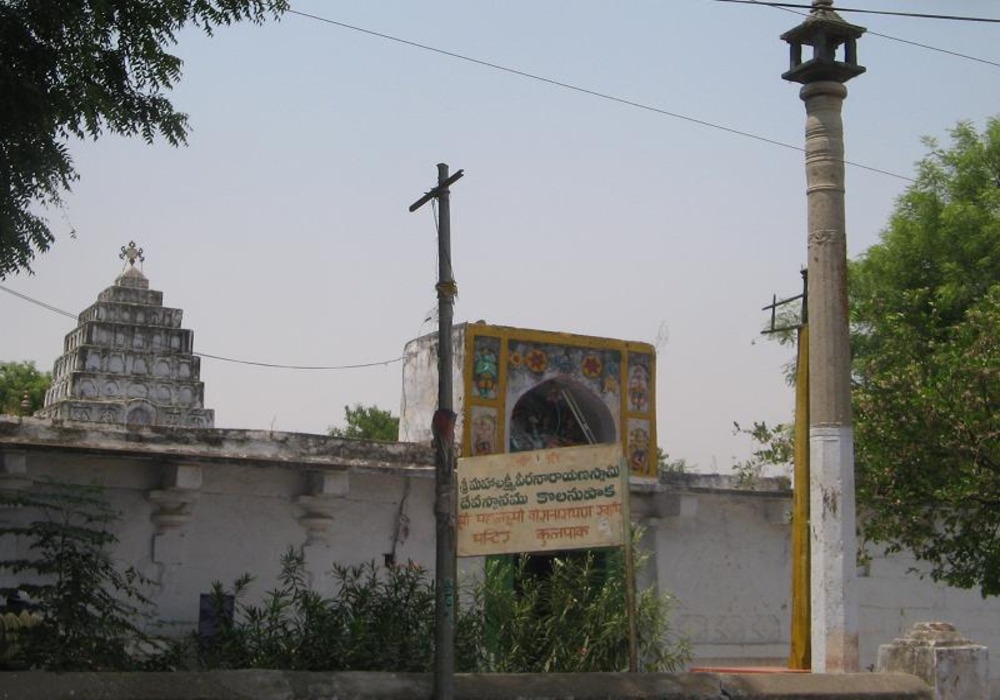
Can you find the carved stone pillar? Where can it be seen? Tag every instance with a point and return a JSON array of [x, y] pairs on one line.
[[831, 438], [319, 503], [175, 500]]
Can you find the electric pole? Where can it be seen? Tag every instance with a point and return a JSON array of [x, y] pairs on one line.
[[443, 429], [800, 653]]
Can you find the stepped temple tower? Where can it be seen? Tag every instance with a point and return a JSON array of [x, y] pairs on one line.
[[128, 361]]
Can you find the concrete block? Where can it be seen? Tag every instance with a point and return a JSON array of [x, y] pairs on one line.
[[953, 666], [330, 483], [183, 476]]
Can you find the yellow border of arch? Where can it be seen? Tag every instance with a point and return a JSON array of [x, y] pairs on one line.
[[506, 333]]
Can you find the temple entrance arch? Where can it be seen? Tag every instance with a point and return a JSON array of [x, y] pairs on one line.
[[559, 413], [495, 368]]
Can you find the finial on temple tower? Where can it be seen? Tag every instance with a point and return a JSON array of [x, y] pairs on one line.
[[131, 253]]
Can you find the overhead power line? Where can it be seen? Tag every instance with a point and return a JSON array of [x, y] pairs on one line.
[[48, 307], [306, 367], [918, 15], [588, 91], [937, 49], [271, 365]]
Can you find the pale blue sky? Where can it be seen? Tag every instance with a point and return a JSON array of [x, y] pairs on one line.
[[282, 229]]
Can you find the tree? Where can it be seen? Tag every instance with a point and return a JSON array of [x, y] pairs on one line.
[[665, 465], [925, 312], [368, 423], [82, 69], [17, 379], [773, 446], [89, 615]]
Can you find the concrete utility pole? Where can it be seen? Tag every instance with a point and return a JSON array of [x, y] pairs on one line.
[[833, 543], [443, 429]]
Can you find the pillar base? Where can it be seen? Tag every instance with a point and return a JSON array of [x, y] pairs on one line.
[[954, 667]]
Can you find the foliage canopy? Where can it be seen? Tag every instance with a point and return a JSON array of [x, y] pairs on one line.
[[18, 379], [82, 69], [368, 423], [925, 312]]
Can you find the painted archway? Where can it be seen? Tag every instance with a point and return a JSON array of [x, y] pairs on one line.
[[559, 413]]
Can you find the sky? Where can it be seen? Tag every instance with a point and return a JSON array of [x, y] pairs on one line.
[[282, 228]]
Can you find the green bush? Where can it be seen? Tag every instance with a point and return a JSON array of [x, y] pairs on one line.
[[382, 619], [87, 615], [378, 621], [574, 617], [91, 615]]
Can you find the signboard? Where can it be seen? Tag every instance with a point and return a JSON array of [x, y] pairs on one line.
[[543, 500]]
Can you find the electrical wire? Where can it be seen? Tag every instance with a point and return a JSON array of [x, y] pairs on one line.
[[938, 49], [270, 365], [918, 15], [935, 48], [588, 91], [49, 307]]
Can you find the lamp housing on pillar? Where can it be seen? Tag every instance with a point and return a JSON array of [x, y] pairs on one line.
[[825, 31]]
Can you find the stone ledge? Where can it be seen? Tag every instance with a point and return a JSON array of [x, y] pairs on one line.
[[205, 445], [282, 685], [765, 486]]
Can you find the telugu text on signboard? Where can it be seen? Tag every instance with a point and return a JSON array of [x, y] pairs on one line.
[[544, 500]]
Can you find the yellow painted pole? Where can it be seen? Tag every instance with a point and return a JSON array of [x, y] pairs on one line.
[[630, 593], [801, 652]]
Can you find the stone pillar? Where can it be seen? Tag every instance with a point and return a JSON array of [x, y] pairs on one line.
[[14, 471], [175, 500], [173, 503], [831, 440], [954, 667], [324, 495]]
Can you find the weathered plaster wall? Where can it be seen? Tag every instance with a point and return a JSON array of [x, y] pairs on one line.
[[725, 555], [206, 505], [191, 516], [420, 385]]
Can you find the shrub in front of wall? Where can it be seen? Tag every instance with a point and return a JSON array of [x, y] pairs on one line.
[[567, 613], [379, 620], [86, 614], [513, 620]]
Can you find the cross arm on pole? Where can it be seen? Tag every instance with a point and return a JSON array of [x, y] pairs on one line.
[[437, 190]]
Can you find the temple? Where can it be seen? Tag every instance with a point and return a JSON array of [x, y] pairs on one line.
[[128, 361]]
